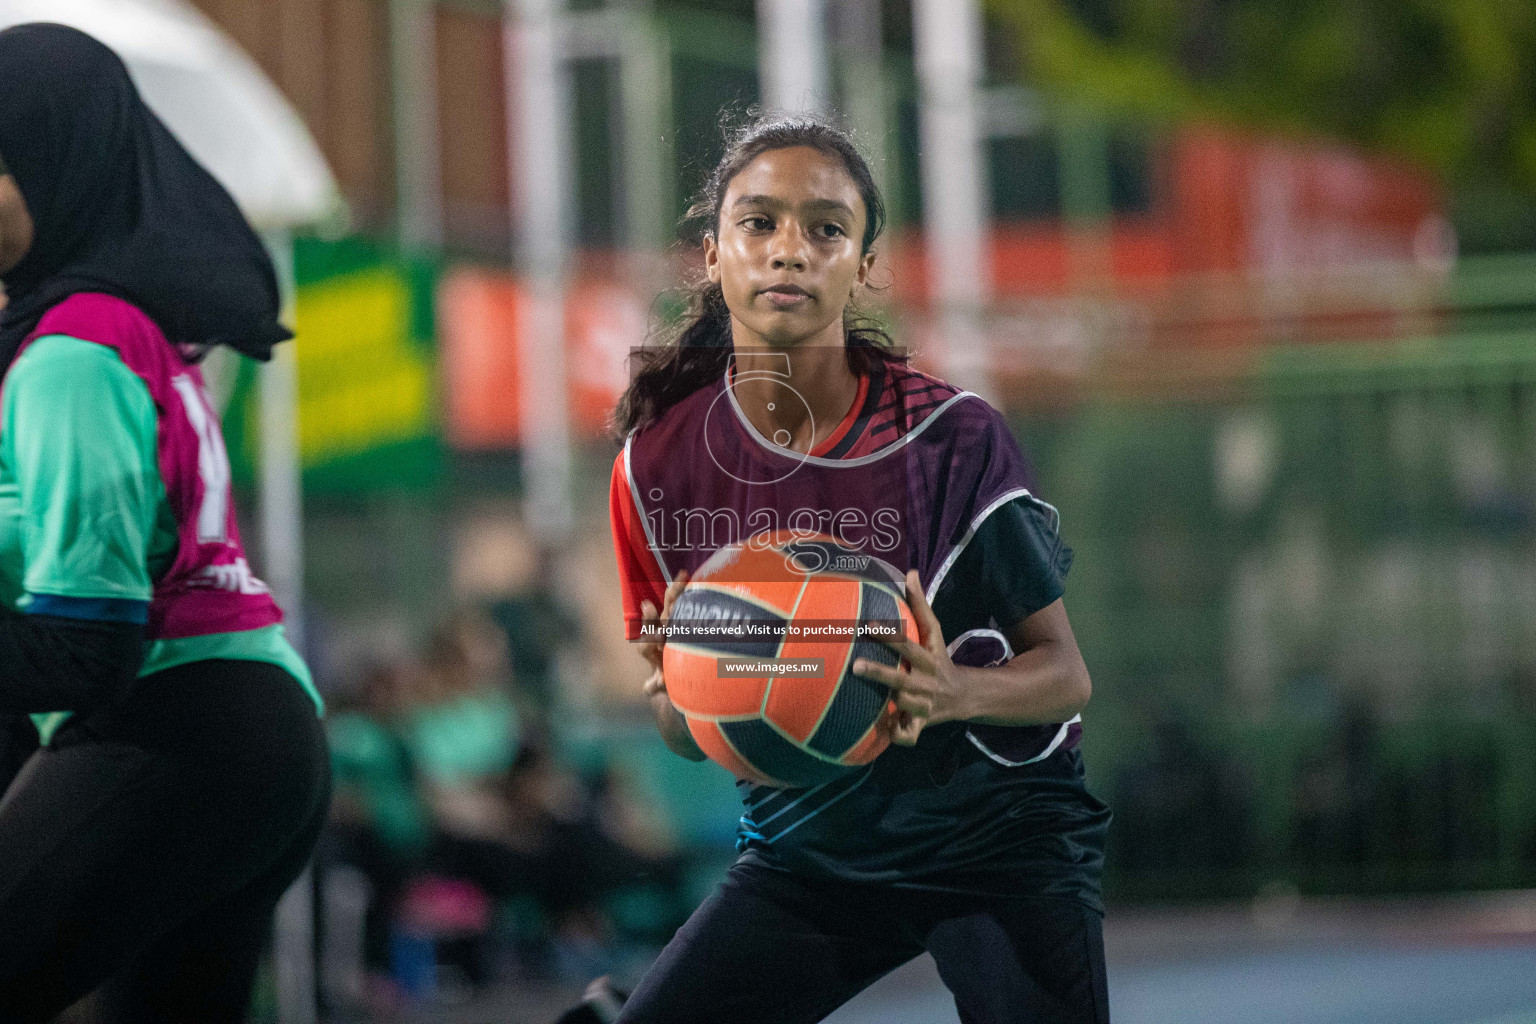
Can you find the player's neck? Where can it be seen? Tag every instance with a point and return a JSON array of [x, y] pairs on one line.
[[796, 396]]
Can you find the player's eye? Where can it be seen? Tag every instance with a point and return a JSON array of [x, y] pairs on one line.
[[757, 223], [831, 230]]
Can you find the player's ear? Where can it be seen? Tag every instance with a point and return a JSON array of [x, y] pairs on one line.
[[711, 257], [866, 264]]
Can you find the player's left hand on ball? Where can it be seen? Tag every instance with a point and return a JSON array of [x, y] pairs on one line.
[[923, 686]]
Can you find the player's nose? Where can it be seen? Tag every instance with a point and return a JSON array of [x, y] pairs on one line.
[[790, 249]]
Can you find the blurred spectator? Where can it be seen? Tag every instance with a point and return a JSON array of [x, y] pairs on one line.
[[1181, 806], [441, 779], [539, 624], [378, 822], [1336, 793], [463, 730]]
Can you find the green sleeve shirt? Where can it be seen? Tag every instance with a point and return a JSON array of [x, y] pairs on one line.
[[78, 461]]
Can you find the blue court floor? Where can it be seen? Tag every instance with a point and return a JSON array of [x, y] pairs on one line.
[[1460, 960], [1451, 960], [1323, 986]]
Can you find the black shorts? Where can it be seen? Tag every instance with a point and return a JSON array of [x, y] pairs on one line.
[[142, 853], [772, 948]]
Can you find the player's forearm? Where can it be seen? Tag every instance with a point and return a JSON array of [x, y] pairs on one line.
[[674, 729], [1046, 684]]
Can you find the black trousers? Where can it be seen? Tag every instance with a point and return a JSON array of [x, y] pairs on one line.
[[771, 948], [142, 854]]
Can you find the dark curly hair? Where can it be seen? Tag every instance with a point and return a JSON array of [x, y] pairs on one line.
[[696, 352]]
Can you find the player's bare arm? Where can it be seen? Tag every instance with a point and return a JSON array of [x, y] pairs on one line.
[[1046, 682]]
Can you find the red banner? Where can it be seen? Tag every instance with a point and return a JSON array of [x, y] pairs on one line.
[[479, 318]]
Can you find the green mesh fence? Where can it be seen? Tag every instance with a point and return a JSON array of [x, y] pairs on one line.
[[1310, 613]]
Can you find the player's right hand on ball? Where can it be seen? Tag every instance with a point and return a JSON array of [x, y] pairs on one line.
[[651, 649], [674, 728]]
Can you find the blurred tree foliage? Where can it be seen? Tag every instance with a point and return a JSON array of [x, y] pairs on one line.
[[1447, 83]]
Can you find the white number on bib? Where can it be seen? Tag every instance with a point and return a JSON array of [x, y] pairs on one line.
[[212, 461]]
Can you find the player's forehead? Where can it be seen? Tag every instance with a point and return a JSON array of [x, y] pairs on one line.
[[800, 179]]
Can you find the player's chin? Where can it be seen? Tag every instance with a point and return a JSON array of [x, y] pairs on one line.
[[791, 330]]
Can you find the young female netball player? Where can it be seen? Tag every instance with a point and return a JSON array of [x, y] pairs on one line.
[[973, 837], [143, 847]]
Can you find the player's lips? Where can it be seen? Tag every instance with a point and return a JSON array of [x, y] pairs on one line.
[[785, 294]]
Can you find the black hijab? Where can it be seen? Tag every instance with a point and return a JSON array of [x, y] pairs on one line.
[[118, 205]]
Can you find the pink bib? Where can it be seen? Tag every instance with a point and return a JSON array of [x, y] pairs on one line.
[[209, 587]]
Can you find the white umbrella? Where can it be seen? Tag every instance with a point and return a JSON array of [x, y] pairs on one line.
[[213, 97]]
